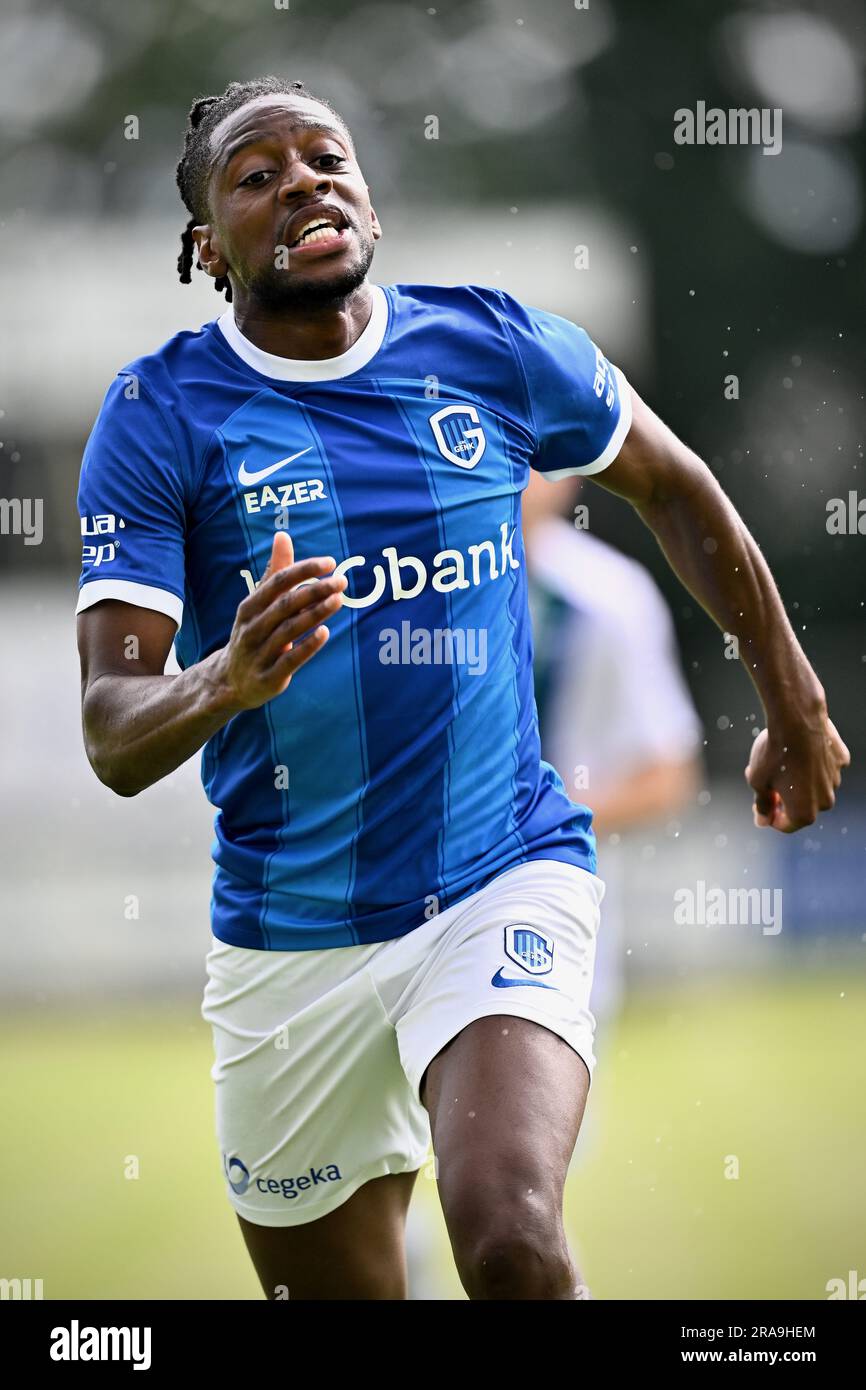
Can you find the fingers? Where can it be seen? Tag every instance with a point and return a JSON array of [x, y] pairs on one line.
[[289, 661], [282, 554], [766, 801], [782, 822], [282, 551], [286, 609], [778, 819], [302, 619], [287, 601], [279, 581], [839, 751], [766, 805], [810, 772], [791, 816]]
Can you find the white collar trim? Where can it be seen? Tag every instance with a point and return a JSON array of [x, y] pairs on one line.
[[311, 369]]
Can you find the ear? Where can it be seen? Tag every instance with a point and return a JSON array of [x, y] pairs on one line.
[[375, 223], [209, 256]]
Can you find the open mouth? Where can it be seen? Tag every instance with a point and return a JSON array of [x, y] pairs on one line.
[[318, 228]]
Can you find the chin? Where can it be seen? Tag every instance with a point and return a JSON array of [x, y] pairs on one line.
[[281, 290]]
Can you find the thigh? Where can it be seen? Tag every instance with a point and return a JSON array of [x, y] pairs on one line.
[[506, 1098], [355, 1252]]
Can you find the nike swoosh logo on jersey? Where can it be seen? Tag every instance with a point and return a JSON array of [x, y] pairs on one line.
[[250, 479], [504, 982]]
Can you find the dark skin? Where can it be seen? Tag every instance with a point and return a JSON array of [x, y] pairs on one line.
[[503, 1142], [255, 191]]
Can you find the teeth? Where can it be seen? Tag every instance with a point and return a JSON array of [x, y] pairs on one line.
[[317, 230], [320, 234]]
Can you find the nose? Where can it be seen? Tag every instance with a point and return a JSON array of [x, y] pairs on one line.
[[302, 178]]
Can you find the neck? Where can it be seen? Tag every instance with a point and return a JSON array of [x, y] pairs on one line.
[[313, 332]]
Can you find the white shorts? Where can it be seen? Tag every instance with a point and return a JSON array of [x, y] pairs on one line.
[[320, 1054]]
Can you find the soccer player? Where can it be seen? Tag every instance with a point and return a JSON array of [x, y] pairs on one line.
[[317, 498]]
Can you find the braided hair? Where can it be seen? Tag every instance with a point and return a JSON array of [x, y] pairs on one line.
[[193, 168]]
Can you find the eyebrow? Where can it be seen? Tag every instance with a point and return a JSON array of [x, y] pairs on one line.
[[255, 137]]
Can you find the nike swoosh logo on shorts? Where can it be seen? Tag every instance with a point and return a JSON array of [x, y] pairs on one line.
[[250, 479], [504, 981]]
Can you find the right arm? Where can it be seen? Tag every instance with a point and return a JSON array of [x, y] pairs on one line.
[[140, 724]]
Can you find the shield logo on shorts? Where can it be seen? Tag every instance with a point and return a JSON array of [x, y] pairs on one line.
[[530, 949]]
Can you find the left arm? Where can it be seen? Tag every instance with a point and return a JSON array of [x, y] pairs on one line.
[[796, 761]]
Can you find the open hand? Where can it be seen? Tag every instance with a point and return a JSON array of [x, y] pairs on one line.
[[280, 626]]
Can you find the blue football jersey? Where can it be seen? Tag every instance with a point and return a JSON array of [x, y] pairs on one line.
[[401, 769]]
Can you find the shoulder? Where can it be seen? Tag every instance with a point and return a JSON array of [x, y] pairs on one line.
[[150, 420], [160, 375], [442, 296], [484, 302]]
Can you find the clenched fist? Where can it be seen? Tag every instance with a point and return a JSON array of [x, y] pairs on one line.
[[795, 777]]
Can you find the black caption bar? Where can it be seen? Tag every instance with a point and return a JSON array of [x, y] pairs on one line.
[[145, 1339]]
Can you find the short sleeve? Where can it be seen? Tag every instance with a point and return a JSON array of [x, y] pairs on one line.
[[131, 504], [580, 402]]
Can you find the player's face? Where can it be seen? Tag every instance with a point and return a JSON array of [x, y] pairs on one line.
[[278, 163]]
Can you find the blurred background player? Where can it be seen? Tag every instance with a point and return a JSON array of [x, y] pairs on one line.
[[615, 714]]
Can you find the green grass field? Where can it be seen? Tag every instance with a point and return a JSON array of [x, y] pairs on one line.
[[773, 1074]]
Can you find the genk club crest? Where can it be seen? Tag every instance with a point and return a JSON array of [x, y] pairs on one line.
[[458, 434], [530, 949]]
